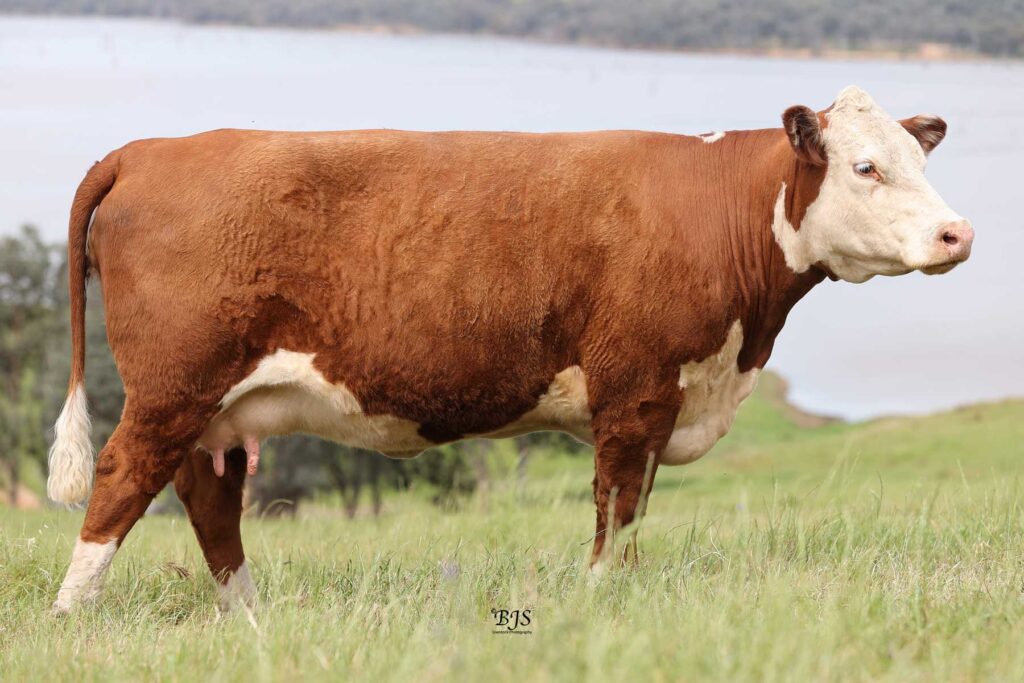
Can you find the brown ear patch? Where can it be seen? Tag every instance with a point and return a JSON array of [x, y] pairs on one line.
[[804, 131], [929, 130]]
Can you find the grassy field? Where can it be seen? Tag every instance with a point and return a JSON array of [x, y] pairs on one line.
[[891, 550]]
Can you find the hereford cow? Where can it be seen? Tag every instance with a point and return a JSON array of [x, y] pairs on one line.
[[394, 291]]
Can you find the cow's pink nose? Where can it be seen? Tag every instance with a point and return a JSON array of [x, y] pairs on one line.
[[957, 238]]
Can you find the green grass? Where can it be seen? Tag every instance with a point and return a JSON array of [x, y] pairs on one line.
[[891, 550]]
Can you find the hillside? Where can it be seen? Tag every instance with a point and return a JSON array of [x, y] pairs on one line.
[[982, 443]]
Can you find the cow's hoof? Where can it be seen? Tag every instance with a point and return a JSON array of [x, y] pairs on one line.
[[60, 609]]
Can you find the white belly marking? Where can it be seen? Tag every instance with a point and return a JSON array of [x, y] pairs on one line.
[[562, 407], [713, 390], [287, 394]]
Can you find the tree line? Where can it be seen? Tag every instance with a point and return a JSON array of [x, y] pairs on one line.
[[35, 348], [990, 27]]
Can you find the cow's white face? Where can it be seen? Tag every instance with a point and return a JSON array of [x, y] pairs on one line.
[[875, 213]]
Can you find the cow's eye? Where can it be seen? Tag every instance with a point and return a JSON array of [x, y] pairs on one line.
[[866, 169]]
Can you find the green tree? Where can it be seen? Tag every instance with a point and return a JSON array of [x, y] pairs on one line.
[[27, 308]]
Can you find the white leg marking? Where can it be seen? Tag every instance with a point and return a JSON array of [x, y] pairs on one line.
[[84, 580], [597, 572], [237, 590]]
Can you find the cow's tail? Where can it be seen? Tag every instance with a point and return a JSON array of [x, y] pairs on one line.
[[71, 456]]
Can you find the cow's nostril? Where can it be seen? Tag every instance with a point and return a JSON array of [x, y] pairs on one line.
[[949, 238]]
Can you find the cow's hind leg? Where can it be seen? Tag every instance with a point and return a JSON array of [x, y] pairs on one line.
[[132, 468], [214, 506]]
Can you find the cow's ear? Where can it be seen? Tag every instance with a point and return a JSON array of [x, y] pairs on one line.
[[804, 131], [929, 130]]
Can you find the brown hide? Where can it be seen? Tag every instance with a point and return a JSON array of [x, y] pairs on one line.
[[444, 278]]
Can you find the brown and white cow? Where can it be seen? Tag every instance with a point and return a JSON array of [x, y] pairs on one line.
[[397, 290]]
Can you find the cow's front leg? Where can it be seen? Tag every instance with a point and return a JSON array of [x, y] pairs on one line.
[[629, 437], [214, 506]]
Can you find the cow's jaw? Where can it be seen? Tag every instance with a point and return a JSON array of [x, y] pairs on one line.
[[857, 227]]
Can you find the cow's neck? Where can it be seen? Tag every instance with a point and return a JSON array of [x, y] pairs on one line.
[[769, 288], [765, 310]]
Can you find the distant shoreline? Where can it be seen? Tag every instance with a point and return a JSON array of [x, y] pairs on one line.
[[922, 52]]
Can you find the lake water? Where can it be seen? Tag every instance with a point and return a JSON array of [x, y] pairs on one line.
[[73, 89]]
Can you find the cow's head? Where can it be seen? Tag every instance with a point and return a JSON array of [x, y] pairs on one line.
[[874, 213]]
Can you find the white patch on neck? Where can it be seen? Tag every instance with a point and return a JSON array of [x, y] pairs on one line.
[[794, 249], [713, 390], [84, 580], [713, 136], [238, 590]]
